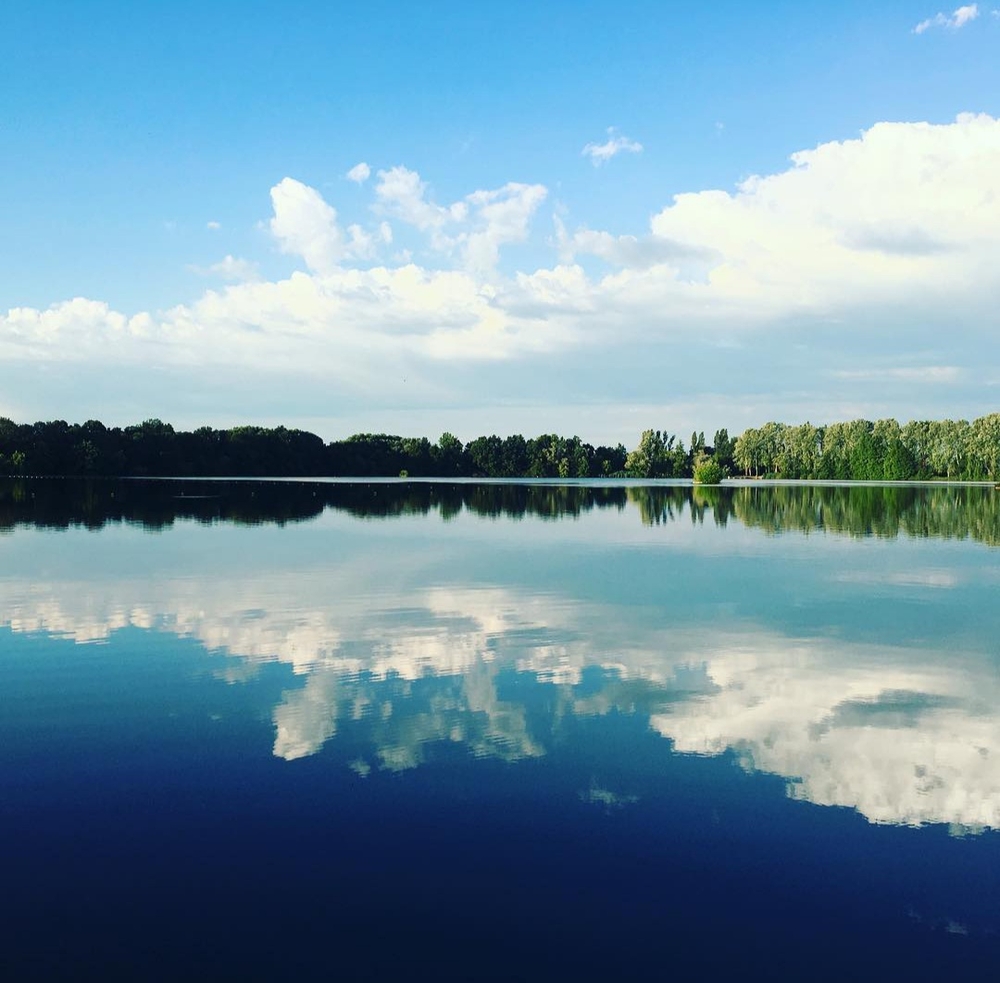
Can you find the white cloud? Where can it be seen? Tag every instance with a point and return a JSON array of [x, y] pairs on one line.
[[907, 210], [230, 268], [363, 244], [601, 153], [401, 191], [475, 227], [635, 252], [213, 226], [895, 233], [359, 173], [958, 18], [964, 14], [305, 225], [499, 217], [73, 329], [923, 373]]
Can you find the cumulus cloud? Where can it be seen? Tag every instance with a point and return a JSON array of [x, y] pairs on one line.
[[896, 232], [474, 228], [499, 217], [305, 225], [792, 238], [72, 329], [213, 226], [601, 153], [957, 19], [402, 193], [359, 173]]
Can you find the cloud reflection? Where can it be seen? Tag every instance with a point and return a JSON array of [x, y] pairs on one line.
[[902, 740], [903, 735]]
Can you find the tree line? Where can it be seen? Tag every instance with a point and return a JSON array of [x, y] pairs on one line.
[[879, 451], [858, 450], [154, 448]]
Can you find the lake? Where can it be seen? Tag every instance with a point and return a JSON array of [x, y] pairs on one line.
[[376, 730]]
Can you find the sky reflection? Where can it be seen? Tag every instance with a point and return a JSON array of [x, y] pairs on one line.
[[817, 664]]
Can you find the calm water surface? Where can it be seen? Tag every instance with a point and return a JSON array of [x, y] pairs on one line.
[[370, 731]]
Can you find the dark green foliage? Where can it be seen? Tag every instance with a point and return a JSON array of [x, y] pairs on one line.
[[897, 462], [859, 450], [659, 455], [722, 450], [865, 462], [707, 471], [155, 449]]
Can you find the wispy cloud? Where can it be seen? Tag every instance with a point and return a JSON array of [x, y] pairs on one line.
[[359, 173], [231, 268], [402, 193], [601, 153], [924, 373], [958, 18], [213, 226]]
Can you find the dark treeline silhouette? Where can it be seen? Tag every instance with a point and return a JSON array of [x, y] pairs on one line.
[[858, 450], [940, 511], [154, 448]]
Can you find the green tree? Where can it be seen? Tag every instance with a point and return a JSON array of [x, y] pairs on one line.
[[722, 449], [707, 470], [448, 456], [865, 463], [984, 440], [747, 452], [658, 455]]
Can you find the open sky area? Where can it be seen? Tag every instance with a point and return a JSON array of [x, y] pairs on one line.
[[581, 217]]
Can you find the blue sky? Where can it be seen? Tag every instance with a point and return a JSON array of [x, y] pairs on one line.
[[182, 239]]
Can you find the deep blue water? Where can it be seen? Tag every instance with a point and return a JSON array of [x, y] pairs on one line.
[[469, 732]]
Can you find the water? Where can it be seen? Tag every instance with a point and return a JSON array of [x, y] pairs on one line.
[[260, 731]]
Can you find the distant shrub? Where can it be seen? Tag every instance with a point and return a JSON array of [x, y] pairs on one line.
[[708, 471]]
